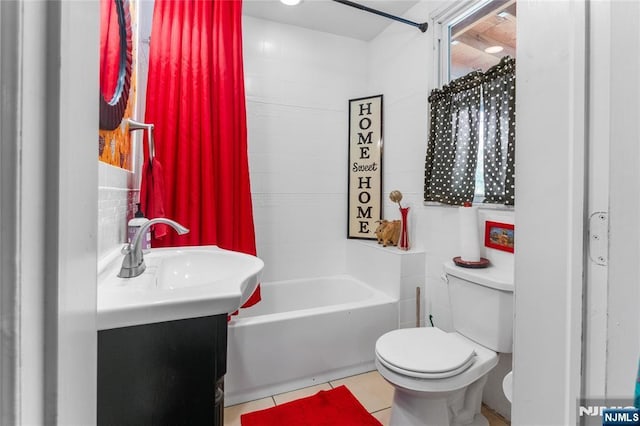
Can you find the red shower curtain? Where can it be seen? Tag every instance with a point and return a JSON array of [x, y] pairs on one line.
[[196, 100]]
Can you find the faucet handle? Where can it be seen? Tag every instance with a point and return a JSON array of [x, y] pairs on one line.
[[126, 249]]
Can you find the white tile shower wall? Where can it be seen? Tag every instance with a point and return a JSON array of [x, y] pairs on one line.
[[298, 83], [299, 235], [116, 204]]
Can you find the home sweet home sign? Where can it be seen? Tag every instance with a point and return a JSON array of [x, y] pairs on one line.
[[365, 166]]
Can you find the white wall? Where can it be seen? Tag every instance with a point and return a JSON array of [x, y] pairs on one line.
[[298, 83]]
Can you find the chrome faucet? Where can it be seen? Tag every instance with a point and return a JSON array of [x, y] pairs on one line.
[[133, 262]]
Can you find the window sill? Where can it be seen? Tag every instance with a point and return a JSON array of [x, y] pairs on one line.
[[481, 206]]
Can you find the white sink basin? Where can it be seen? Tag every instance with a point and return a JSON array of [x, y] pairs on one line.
[[179, 283]]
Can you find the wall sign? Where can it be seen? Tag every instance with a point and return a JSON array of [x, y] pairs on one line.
[[365, 167]]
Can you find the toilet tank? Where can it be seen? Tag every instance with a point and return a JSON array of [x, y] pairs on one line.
[[482, 304]]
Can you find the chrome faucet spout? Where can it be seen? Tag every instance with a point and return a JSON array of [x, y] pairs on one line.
[[133, 262]]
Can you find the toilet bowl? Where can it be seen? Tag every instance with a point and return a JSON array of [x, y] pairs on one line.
[[439, 376], [445, 388]]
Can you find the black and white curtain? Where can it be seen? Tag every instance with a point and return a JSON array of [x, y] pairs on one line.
[[477, 109]]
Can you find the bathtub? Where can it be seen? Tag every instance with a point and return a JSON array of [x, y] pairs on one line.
[[305, 332]]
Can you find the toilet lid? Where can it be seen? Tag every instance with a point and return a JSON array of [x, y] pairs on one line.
[[426, 352]]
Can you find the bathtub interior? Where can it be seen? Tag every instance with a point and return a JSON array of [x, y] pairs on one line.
[[309, 293]]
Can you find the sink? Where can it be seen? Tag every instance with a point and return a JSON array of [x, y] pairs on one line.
[[178, 283]]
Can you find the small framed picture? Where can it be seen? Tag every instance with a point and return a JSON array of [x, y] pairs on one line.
[[499, 236]]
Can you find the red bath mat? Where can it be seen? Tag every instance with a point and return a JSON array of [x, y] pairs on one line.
[[335, 407]]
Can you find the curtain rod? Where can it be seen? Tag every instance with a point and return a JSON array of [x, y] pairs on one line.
[[422, 27]]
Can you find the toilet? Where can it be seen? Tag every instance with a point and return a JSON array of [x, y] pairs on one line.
[[438, 377]]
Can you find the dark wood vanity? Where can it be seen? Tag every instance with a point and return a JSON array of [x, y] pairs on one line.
[[166, 373]]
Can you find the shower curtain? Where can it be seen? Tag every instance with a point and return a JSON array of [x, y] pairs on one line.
[[196, 100]]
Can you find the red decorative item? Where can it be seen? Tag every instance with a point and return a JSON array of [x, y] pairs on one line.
[[403, 242], [500, 236]]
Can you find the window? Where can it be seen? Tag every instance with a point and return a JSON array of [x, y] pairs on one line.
[[471, 40], [479, 37]]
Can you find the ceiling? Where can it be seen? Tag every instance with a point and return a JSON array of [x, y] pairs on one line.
[[329, 16], [493, 24]]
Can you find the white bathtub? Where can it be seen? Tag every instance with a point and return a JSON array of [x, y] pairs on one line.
[[305, 332]]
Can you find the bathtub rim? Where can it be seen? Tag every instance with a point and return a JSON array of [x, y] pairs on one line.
[[376, 297]]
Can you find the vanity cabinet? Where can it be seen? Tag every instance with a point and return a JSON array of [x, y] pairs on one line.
[[166, 373]]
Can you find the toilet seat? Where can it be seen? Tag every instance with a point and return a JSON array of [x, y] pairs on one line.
[[425, 353]]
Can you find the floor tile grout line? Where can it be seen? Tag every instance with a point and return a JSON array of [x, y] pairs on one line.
[[331, 385], [273, 397], [377, 411]]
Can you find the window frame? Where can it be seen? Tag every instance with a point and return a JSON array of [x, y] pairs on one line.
[[441, 21]]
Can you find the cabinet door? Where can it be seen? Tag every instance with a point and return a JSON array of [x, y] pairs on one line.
[[163, 373]]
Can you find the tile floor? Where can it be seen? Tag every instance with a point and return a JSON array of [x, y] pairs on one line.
[[373, 392]]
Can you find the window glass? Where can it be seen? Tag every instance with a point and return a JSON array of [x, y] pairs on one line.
[[479, 38]]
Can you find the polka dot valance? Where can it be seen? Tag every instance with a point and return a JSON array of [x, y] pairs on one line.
[[472, 112]]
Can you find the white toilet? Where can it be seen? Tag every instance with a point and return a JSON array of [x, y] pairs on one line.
[[438, 376]]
